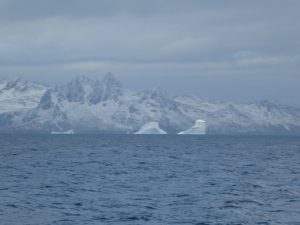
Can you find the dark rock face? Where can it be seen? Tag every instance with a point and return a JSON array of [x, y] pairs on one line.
[[46, 101], [107, 89]]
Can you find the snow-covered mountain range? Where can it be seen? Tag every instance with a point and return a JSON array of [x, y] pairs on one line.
[[105, 106]]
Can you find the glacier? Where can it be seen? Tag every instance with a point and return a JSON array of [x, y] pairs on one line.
[[198, 129], [103, 105], [150, 128]]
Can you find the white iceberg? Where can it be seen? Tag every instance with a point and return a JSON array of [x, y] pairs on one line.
[[63, 132], [199, 128], [150, 128]]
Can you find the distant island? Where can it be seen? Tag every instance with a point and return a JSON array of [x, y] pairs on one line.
[[103, 105]]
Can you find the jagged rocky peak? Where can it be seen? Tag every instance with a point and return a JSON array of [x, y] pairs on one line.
[[155, 93], [110, 80], [21, 85], [83, 89], [17, 94], [84, 80], [268, 105], [75, 91], [14, 83], [159, 98], [109, 88], [8, 84], [191, 99]]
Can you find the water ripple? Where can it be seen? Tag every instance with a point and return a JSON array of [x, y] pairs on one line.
[[132, 180]]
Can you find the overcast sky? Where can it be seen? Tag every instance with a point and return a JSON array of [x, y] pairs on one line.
[[238, 50]]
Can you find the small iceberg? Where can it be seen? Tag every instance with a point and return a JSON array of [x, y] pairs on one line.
[[198, 129], [150, 128], [63, 132]]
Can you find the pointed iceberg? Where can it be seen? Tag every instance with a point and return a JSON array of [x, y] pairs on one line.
[[199, 128], [150, 128]]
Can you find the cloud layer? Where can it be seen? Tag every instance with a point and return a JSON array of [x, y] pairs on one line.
[[202, 41]]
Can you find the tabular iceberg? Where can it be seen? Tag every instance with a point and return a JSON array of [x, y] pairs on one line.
[[151, 128], [63, 132], [198, 128]]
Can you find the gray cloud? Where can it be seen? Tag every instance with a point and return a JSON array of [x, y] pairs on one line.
[[186, 40]]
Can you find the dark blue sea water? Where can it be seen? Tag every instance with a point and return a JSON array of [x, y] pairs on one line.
[[115, 179]]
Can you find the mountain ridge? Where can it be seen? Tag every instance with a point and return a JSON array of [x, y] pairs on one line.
[[88, 105]]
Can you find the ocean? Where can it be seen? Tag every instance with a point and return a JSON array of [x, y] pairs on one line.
[[149, 179]]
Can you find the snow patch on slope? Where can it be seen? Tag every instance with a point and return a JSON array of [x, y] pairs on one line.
[[17, 95]]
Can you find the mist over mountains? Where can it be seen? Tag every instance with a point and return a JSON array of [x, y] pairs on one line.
[[88, 105]]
